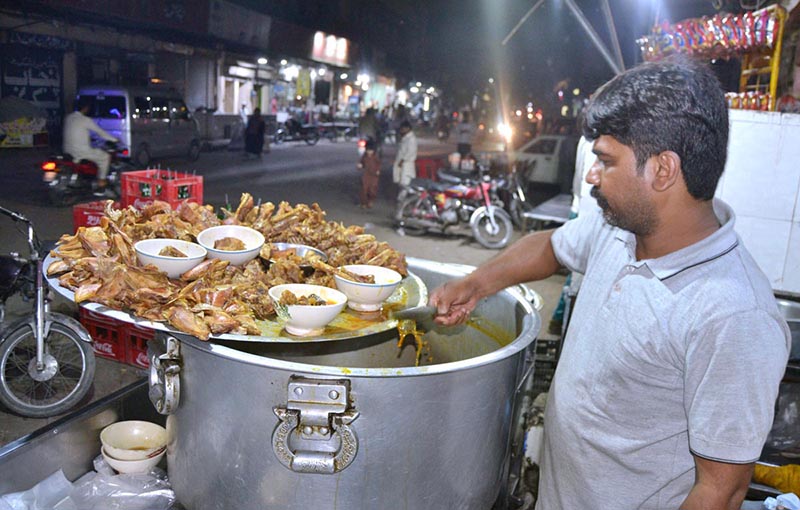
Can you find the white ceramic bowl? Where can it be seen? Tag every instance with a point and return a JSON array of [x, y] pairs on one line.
[[368, 297], [131, 466], [253, 241], [134, 440], [147, 252], [307, 320], [301, 250]]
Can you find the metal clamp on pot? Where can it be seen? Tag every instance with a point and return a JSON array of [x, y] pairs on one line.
[[165, 383], [316, 420]]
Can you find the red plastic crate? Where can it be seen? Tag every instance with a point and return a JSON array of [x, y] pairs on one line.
[[89, 214], [427, 167], [136, 338], [141, 187], [107, 338]]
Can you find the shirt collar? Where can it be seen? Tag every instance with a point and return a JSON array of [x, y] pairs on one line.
[[717, 244]]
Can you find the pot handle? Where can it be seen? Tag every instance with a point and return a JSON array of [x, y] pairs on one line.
[[317, 413], [165, 382]]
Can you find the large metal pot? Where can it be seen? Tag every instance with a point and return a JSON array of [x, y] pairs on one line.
[[351, 424]]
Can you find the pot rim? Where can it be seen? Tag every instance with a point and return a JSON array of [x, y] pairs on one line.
[[530, 328]]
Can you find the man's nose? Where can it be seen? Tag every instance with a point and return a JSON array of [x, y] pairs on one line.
[[593, 176]]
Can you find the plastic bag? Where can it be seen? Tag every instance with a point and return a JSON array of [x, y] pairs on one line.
[[50, 493], [783, 502], [105, 490]]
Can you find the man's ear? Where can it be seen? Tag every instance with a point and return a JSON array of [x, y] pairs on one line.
[[666, 170]]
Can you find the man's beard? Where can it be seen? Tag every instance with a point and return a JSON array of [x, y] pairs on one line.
[[639, 218]]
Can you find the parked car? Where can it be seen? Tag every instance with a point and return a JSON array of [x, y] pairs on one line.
[[150, 123], [547, 159]]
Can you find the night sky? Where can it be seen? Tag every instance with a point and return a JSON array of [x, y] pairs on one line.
[[549, 47]]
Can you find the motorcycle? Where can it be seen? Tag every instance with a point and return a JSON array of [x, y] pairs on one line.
[[46, 360], [69, 181], [512, 192], [429, 205], [293, 130]]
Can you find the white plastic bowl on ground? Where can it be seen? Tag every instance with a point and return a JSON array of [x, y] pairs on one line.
[[147, 251], [368, 297], [253, 241], [134, 439], [307, 320], [131, 466]]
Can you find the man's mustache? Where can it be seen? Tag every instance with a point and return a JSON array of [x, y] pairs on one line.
[[597, 195]]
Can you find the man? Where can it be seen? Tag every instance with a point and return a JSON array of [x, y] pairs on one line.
[[77, 143], [404, 168], [368, 126], [664, 393]]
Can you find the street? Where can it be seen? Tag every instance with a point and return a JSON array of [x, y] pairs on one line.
[[295, 172]]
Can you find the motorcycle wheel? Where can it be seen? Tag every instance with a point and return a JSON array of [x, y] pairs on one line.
[[410, 208], [492, 235], [142, 156], [59, 194], [66, 379], [312, 138], [517, 210], [279, 138]]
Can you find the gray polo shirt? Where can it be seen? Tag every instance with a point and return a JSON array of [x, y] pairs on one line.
[[664, 358]]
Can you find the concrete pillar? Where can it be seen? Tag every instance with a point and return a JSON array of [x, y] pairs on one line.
[[69, 80]]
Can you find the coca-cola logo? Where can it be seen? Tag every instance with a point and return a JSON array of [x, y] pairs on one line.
[[104, 348], [142, 359], [141, 204]]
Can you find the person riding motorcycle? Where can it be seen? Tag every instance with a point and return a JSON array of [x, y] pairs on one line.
[[77, 143]]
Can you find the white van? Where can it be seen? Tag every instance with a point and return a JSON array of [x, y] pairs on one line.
[[150, 123], [547, 159]]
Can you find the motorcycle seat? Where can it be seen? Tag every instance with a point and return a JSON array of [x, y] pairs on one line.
[[67, 157], [420, 183]]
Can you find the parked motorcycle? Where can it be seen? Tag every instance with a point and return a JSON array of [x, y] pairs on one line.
[[293, 130], [69, 181], [512, 192], [434, 206], [46, 359]]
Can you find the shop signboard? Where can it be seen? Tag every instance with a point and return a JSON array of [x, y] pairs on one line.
[[183, 15], [33, 74], [303, 87], [330, 49]]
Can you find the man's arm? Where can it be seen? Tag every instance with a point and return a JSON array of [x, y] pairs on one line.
[[529, 259], [102, 133], [718, 485]]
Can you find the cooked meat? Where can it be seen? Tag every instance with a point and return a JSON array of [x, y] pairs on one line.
[[290, 298], [229, 244], [171, 251]]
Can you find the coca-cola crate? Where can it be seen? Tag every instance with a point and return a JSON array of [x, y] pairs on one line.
[[108, 340], [89, 214], [141, 187], [136, 338], [427, 167]]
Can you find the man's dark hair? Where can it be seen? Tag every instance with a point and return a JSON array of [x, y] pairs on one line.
[[673, 105], [83, 102], [405, 124]]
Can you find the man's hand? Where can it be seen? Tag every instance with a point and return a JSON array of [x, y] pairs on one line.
[[454, 301], [718, 485]]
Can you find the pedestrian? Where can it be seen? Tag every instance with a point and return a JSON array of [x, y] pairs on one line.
[[465, 131], [404, 168], [254, 135], [370, 166], [665, 390], [368, 126]]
